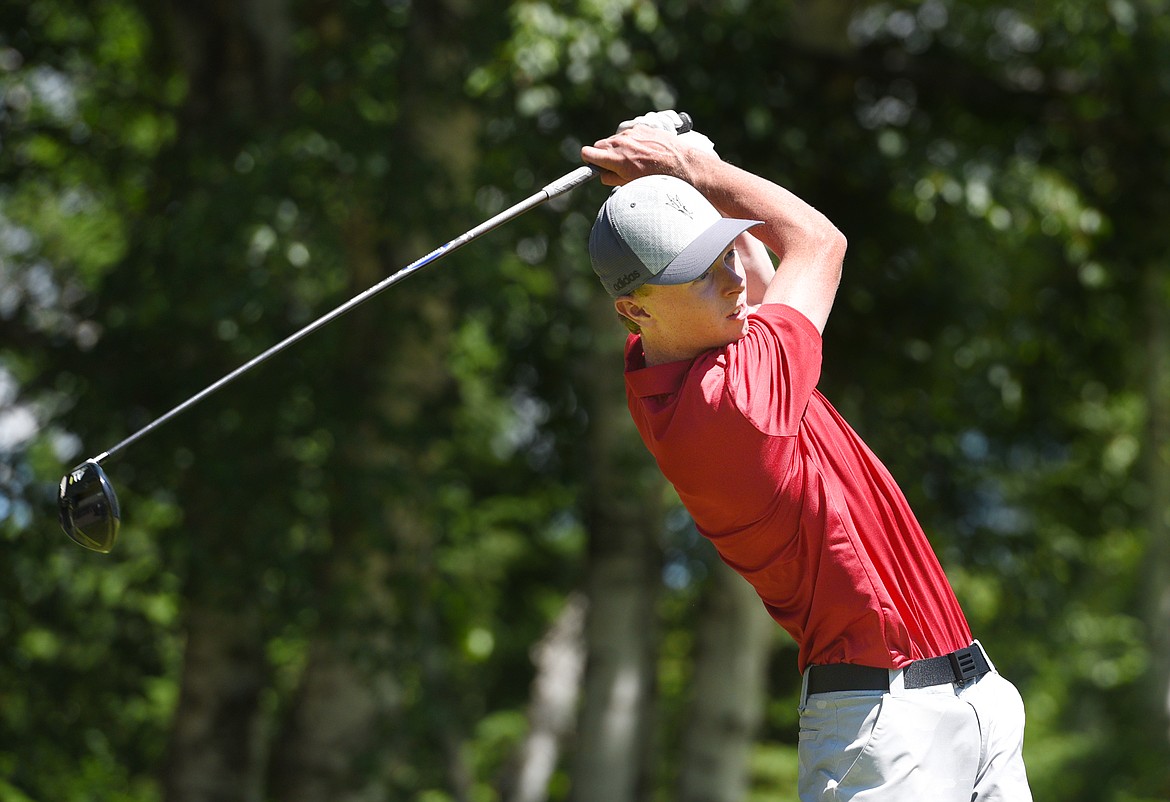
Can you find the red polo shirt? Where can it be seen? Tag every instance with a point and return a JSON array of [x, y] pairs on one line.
[[793, 499]]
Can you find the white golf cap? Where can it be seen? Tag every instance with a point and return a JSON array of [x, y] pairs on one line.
[[658, 230]]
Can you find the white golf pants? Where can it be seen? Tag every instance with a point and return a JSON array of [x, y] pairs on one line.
[[943, 743]]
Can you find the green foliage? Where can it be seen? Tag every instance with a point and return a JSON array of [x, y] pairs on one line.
[[414, 471], [774, 768]]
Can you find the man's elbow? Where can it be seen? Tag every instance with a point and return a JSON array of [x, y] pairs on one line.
[[838, 242], [833, 245]]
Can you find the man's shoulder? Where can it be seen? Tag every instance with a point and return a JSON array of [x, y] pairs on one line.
[[787, 315]]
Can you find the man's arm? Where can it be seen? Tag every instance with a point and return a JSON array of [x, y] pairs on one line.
[[757, 264], [810, 248]]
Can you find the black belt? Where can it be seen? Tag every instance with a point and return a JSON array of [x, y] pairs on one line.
[[961, 666]]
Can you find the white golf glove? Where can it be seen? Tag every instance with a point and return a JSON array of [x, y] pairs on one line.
[[670, 120]]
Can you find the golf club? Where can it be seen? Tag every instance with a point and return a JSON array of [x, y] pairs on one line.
[[86, 501]]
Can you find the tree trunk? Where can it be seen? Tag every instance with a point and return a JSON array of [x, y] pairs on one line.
[[339, 734], [615, 724], [442, 691], [331, 726], [1157, 297], [214, 743], [734, 638], [622, 586], [560, 663], [233, 57]]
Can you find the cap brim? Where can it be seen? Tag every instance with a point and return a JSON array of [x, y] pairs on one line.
[[706, 248]]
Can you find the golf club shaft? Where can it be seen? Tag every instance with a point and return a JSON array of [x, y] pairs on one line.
[[552, 190], [560, 186]]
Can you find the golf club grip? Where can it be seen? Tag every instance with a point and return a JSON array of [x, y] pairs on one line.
[[581, 175]]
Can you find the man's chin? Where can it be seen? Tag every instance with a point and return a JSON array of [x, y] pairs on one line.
[[735, 336]]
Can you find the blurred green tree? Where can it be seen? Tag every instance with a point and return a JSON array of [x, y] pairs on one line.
[[331, 574]]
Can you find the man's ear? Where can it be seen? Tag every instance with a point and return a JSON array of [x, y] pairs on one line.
[[630, 306]]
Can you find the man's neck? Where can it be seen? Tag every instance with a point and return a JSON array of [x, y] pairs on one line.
[[657, 353]]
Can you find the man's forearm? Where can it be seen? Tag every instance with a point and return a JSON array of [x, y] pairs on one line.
[[790, 225], [810, 248], [758, 267]]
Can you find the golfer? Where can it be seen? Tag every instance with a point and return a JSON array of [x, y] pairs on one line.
[[899, 702]]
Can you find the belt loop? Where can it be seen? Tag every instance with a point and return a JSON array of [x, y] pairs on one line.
[[986, 657], [897, 681], [804, 689]]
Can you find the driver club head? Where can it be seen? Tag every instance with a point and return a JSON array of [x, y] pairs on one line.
[[88, 507]]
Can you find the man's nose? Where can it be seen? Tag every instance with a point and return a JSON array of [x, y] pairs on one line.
[[732, 281]]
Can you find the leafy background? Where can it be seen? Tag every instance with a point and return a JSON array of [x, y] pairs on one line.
[[347, 576]]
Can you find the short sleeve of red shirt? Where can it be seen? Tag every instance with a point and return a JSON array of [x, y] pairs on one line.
[[775, 369], [793, 499]]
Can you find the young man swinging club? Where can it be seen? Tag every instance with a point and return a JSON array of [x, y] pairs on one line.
[[899, 702]]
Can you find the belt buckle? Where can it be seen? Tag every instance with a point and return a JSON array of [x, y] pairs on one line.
[[964, 664]]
